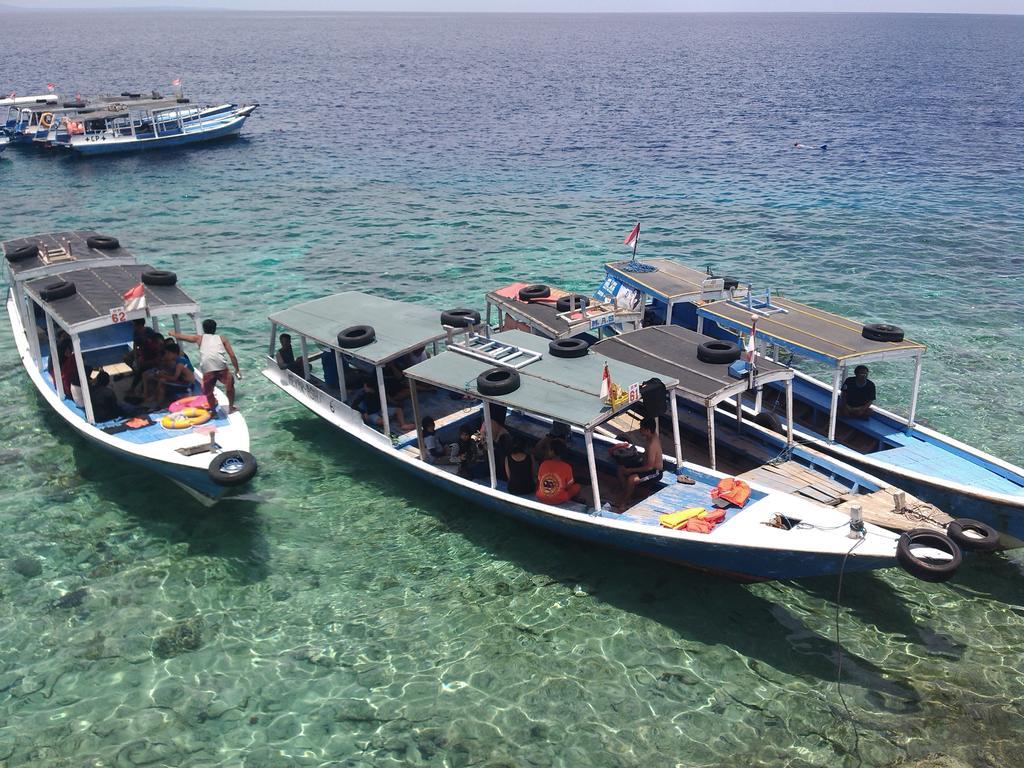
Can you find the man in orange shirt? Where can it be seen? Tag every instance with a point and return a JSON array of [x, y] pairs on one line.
[[555, 482]]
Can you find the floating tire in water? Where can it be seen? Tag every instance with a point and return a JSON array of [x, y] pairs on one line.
[[531, 292], [570, 303], [59, 289], [882, 332], [22, 252], [718, 352], [497, 381], [159, 277], [356, 336], [102, 242], [460, 318], [232, 468], [922, 566], [568, 348], [973, 535]]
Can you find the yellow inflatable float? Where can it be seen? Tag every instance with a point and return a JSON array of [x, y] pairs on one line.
[[185, 418]]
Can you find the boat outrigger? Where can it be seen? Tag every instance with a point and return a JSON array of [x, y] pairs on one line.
[[74, 283], [956, 477], [474, 379]]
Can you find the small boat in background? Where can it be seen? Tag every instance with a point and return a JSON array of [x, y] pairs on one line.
[[73, 301]]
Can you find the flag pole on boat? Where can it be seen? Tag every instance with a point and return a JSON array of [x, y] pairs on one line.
[[633, 238], [176, 83]]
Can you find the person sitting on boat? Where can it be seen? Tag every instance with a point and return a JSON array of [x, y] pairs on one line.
[[171, 380], [522, 480], [555, 481], [147, 349], [857, 395], [182, 357], [646, 474], [367, 402], [433, 446], [213, 349], [104, 402], [68, 366], [502, 438], [465, 453], [286, 356]]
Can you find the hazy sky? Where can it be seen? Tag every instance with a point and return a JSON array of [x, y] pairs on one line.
[[916, 6]]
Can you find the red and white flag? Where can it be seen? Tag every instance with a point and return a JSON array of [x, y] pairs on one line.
[[606, 383], [751, 347], [13, 95], [135, 298], [176, 82], [51, 87], [634, 233]]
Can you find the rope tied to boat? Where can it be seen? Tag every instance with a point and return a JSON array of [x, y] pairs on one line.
[[639, 266]]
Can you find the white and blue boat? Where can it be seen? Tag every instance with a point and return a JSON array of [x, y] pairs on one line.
[[74, 283], [472, 375], [135, 127], [958, 478]]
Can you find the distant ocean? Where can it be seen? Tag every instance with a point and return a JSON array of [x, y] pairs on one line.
[[351, 618]]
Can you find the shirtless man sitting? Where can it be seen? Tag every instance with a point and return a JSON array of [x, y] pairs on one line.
[[648, 473]]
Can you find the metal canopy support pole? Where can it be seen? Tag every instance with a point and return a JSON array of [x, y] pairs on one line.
[[834, 408], [383, 400], [83, 379], [588, 438], [675, 430], [711, 436], [668, 313], [414, 396], [199, 328], [700, 323], [58, 379], [177, 323], [789, 411], [32, 330], [489, 436], [273, 339], [739, 412], [339, 363], [305, 357], [488, 318], [915, 389]]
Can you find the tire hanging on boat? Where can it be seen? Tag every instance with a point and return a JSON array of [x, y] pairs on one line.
[[568, 348], [569, 303], [232, 468], [532, 292], [102, 242], [497, 381], [882, 332], [718, 352], [923, 568], [769, 421], [973, 535], [59, 289], [356, 336], [460, 318], [22, 252], [159, 277]]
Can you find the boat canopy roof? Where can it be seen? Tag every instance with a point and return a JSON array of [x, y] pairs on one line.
[[671, 351], [62, 252], [809, 331], [669, 280], [543, 314], [399, 327], [99, 290], [562, 389], [125, 106]]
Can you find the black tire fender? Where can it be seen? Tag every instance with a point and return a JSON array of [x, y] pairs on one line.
[[718, 352], [59, 289], [973, 535], [882, 332], [730, 283], [460, 318], [497, 381], [103, 242], [573, 302], [22, 252], [922, 568], [568, 348], [769, 421], [159, 277], [232, 468], [356, 336], [531, 292]]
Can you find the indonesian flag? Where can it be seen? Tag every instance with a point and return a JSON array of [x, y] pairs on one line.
[[176, 82], [634, 233], [13, 95], [750, 347], [51, 87], [606, 383], [135, 298]]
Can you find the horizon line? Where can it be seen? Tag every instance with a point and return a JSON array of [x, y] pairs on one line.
[[197, 9]]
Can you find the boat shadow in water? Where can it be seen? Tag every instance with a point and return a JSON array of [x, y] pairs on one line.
[[698, 607], [230, 531]]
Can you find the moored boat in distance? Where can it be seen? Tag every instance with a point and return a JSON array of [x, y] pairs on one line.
[[71, 319], [958, 478], [536, 388]]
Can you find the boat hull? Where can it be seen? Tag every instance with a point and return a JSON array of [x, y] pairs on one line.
[[128, 144]]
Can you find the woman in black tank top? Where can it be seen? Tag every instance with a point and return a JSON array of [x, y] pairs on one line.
[[519, 467]]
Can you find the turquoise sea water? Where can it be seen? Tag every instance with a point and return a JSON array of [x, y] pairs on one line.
[[352, 618]]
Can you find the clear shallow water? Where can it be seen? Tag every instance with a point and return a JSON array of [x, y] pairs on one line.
[[354, 619]]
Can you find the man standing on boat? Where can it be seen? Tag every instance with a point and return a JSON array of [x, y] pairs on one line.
[[214, 350]]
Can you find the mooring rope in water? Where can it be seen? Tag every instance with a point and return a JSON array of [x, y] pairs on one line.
[[839, 661]]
